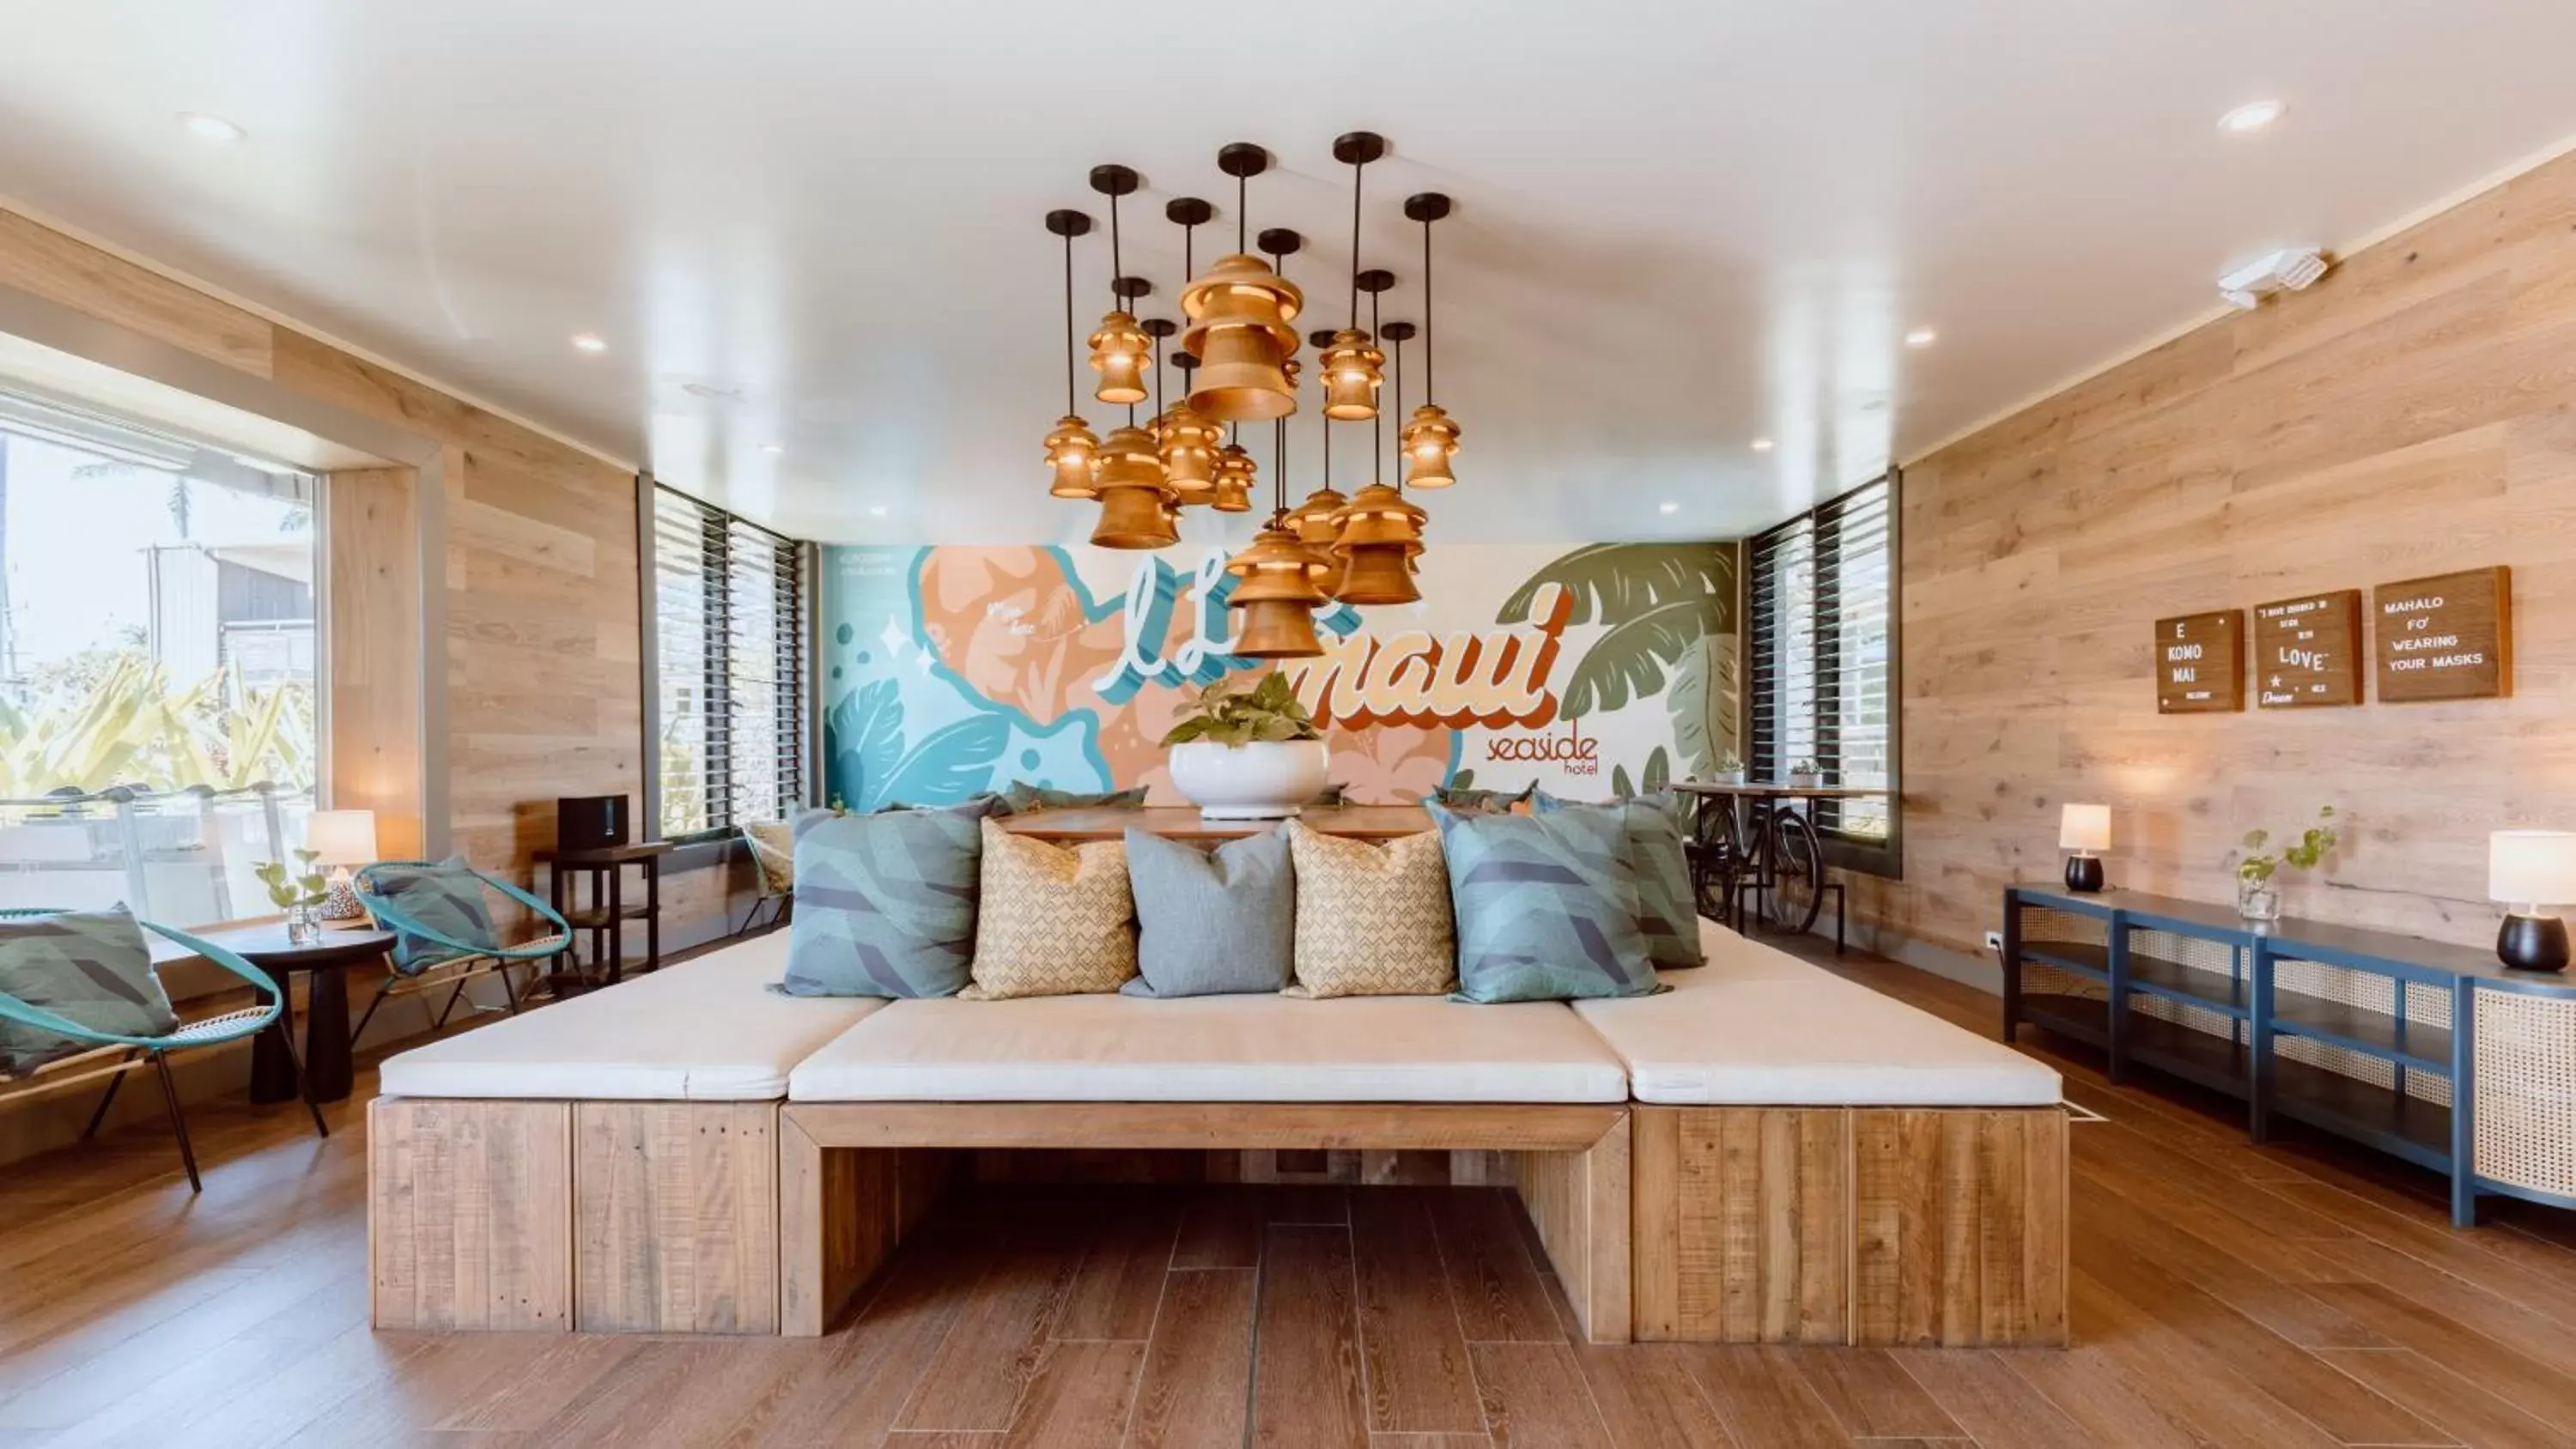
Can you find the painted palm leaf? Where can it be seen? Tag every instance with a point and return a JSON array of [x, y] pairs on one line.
[[1613, 583], [1632, 660]]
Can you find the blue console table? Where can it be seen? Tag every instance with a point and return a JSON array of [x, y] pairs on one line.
[[2506, 1042]]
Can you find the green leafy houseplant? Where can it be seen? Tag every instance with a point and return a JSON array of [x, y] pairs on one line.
[[2255, 864], [307, 887], [1267, 712]]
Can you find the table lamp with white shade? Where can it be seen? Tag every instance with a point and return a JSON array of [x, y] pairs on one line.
[[2528, 871], [342, 839], [2084, 831]]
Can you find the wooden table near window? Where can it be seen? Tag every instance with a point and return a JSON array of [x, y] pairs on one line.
[[604, 919], [1750, 839]]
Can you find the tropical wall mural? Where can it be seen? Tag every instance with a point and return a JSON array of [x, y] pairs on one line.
[[1589, 671]]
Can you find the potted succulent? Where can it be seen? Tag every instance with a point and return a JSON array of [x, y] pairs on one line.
[[1807, 773], [2258, 898], [1729, 771], [1247, 754], [299, 895]]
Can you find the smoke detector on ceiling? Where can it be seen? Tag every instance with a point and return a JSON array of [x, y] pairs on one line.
[[2291, 269]]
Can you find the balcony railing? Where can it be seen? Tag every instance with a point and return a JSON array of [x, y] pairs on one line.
[[181, 857]]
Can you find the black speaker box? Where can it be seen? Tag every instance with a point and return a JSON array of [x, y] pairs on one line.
[[590, 822]]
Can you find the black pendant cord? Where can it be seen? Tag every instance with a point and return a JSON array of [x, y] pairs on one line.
[[1396, 458], [1357, 170], [1278, 469], [1430, 374], [1118, 268], [1377, 419], [1240, 184], [1070, 407], [1158, 380]]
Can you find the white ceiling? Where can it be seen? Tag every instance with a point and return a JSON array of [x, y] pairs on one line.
[[1681, 224]]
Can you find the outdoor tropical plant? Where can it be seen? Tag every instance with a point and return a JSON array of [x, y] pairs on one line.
[[126, 725], [1268, 711], [2256, 863], [306, 887]]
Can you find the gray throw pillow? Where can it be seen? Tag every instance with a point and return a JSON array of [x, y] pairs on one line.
[[91, 968], [1546, 906], [885, 903], [1491, 802], [1212, 923], [1657, 825]]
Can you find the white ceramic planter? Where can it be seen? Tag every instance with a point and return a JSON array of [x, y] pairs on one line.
[[1265, 780]]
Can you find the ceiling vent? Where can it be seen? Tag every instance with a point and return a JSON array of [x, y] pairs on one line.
[[2290, 269]]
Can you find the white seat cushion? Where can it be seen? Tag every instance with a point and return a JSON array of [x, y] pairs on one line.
[[1761, 1036], [1263, 1048], [704, 1030], [1732, 957]]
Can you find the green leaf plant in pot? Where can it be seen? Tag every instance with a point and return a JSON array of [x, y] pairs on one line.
[[298, 895], [1247, 754], [2258, 864]]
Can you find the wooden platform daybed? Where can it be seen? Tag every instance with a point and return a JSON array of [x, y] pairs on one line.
[[1764, 1154]]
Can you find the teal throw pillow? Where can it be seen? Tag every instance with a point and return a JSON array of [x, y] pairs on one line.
[[1656, 826], [1546, 906], [446, 898], [92, 969], [1212, 923], [885, 903]]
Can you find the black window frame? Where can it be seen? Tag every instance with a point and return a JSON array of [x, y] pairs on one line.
[[734, 562], [1838, 542]]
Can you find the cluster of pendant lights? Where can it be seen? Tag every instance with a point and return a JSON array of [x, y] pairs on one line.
[[1239, 356]]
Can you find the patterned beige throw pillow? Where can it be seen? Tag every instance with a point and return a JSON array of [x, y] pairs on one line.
[[1372, 920], [1051, 921]]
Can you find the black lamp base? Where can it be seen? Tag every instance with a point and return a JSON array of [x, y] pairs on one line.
[[2084, 873], [2533, 943]]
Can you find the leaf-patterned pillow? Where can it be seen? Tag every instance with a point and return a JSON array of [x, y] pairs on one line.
[[1546, 906], [91, 968], [885, 903]]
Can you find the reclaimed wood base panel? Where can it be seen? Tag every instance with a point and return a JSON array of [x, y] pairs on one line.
[[1867, 1226], [855, 1176], [610, 1217]]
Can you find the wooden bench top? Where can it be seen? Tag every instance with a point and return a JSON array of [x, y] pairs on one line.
[[1183, 822]]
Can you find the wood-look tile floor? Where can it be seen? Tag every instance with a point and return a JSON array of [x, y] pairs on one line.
[[2299, 1295]]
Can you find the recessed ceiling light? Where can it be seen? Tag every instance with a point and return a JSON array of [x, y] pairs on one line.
[[2251, 116], [1921, 337], [1762, 445], [212, 128], [1668, 508], [590, 342], [773, 449], [711, 392], [876, 510]]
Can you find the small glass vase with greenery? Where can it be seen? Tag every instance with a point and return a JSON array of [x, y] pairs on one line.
[[2258, 866], [299, 895]]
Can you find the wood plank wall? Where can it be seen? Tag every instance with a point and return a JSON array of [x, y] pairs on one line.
[[2413, 413], [543, 634]]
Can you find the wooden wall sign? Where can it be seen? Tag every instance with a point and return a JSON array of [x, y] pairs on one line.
[[2446, 637], [2307, 651], [2200, 663]]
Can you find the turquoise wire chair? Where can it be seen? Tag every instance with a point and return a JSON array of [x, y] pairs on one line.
[[133, 1051], [469, 960]]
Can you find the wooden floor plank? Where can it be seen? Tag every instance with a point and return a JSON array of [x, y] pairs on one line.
[[1079, 1396], [1192, 1392], [1492, 1277], [1307, 1390], [993, 1349], [1419, 1380], [1997, 1408], [2502, 1368], [1220, 1228], [2460, 1408], [1763, 1399], [1121, 1278], [1870, 1394], [1535, 1397], [1649, 1399]]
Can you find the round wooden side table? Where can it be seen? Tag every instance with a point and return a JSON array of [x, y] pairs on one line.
[[328, 1073]]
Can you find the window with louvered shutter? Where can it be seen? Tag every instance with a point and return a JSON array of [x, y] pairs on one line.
[[1820, 659], [729, 605]]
